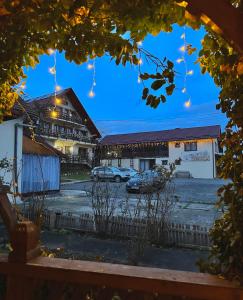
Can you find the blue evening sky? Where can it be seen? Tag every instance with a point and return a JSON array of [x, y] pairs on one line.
[[117, 106]]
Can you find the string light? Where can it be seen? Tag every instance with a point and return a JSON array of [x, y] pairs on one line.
[[187, 104], [52, 70], [54, 114], [90, 66], [58, 101], [139, 43], [57, 89], [140, 61], [50, 51], [189, 72], [179, 60], [183, 49], [91, 93], [23, 86], [139, 79]]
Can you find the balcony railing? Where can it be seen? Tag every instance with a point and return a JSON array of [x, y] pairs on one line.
[[76, 159], [134, 154], [65, 135], [63, 116], [30, 276]]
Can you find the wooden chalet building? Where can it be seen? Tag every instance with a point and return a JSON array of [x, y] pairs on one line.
[[64, 124]]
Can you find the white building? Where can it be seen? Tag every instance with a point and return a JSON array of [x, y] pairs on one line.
[[193, 150]]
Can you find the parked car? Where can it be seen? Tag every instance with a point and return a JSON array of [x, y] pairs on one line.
[[143, 182], [129, 171], [108, 173]]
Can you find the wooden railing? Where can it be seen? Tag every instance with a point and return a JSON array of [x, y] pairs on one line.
[[30, 276]]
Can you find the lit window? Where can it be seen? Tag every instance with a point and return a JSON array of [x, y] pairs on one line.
[[190, 146]]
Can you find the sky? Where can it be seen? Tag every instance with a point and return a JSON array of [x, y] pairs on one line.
[[117, 106]]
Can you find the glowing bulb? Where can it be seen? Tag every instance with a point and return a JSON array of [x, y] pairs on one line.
[[183, 90], [22, 86], [50, 51], [182, 48], [94, 83], [139, 43], [139, 79], [57, 88], [140, 61], [190, 72], [53, 114], [52, 70], [179, 60], [90, 66], [91, 94], [183, 36], [187, 104], [58, 101]]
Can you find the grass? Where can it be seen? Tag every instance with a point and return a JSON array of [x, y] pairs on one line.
[[83, 175]]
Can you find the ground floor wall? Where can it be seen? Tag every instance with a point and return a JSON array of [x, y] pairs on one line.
[[199, 163], [11, 140]]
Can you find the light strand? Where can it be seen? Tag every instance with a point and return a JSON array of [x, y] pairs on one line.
[[182, 59], [90, 66]]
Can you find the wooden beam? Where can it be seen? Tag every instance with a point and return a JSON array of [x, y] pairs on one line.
[[228, 19], [147, 280]]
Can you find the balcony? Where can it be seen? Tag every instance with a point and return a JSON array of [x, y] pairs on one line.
[[30, 276], [65, 135], [63, 117], [76, 159]]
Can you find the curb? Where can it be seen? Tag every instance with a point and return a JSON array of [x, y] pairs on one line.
[[75, 181]]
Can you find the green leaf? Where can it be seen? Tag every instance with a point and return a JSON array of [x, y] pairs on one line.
[[169, 89], [145, 93], [157, 84]]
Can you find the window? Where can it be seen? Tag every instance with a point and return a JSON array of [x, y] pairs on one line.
[[164, 162], [178, 161], [67, 150], [109, 162], [119, 162], [131, 163], [177, 145], [190, 146]]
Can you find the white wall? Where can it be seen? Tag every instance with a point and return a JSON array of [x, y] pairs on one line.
[[200, 163], [7, 130]]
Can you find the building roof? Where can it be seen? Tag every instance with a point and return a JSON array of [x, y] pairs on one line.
[[38, 147], [43, 101], [177, 134]]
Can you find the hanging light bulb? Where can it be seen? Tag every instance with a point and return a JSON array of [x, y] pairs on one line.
[[179, 60], [91, 94], [140, 61], [23, 86], [187, 104], [90, 66], [50, 51], [183, 90], [183, 36], [139, 43], [139, 79], [182, 48], [57, 88], [52, 70], [190, 72]]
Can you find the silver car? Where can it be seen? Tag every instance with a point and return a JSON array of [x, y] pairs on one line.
[[108, 173]]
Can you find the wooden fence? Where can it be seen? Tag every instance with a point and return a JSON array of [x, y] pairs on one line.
[[126, 227]]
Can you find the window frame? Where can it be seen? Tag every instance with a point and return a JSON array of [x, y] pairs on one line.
[[190, 144]]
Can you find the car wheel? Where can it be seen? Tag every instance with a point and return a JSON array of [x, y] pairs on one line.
[[117, 179]]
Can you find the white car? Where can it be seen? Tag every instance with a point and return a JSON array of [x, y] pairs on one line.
[[108, 173]]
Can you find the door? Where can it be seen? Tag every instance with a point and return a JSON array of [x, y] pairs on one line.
[[146, 164]]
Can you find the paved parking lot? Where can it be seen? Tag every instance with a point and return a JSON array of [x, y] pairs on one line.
[[187, 190], [196, 199]]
